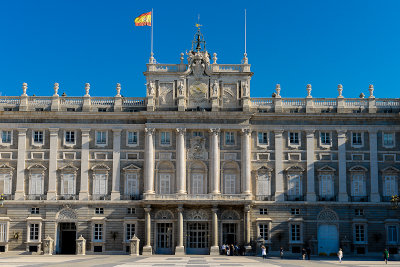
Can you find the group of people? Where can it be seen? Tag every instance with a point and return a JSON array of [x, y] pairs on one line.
[[232, 250], [306, 251]]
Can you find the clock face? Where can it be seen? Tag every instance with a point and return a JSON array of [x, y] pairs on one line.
[[198, 91]]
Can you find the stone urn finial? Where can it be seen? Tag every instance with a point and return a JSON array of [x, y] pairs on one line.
[[245, 59], [371, 91], [24, 88], [340, 90], [182, 58], [56, 87], [215, 58], [278, 90], [118, 89], [362, 95], [309, 91], [87, 88]]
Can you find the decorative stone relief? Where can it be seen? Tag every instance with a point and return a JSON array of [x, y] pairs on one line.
[[197, 215], [164, 215], [197, 148], [230, 215], [230, 95], [166, 94], [327, 215], [67, 215], [215, 88], [181, 89], [150, 88]]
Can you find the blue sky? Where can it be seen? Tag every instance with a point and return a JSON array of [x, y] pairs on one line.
[[355, 43]]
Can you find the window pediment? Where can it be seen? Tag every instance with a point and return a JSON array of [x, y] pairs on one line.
[[68, 168], [264, 169], [295, 169], [326, 168], [131, 168], [37, 166], [100, 167], [358, 168], [6, 168], [390, 169]]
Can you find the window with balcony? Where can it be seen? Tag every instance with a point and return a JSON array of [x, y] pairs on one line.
[[5, 183], [294, 185], [3, 232], [358, 185], [68, 184], [229, 184], [165, 183], [263, 184], [36, 184], [100, 184], [390, 187], [326, 186], [131, 184]]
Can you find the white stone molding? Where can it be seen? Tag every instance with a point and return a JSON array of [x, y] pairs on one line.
[[197, 215], [230, 215], [246, 161], [116, 169], [149, 161], [84, 187], [215, 161], [67, 215], [181, 160], [164, 215], [328, 216]]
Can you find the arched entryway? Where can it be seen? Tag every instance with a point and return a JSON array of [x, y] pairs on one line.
[[164, 232], [328, 232], [198, 232], [66, 231]]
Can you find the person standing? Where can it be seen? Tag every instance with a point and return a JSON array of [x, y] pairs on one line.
[[386, 255], [263, 252], [340, 255], [303, 253], [281, 252], [308, 250]]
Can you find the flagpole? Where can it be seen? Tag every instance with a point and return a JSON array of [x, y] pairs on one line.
[[151, 53], [245, 32]]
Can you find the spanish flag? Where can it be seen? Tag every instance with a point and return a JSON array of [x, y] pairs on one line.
[[143, 20]]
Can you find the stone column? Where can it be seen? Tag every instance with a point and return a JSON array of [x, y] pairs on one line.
[[214, 250], [247, 236], [52, 191], [147, 249], [180, 249], [310, 167], [181, 160], [116, 171], [149, 162], [373, 159], [279, 191], [20, 189], [214, 161], [84, 192], [343, 197], [246, 161]]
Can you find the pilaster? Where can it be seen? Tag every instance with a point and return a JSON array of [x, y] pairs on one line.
[[214, 250], [247, 237], [279, 192], [116, 171], [147, 249], [343, 196], [310, 167], [181, 160], [20, 190], [84, 191], [149, 162], [373, 148], [246, 162], [214, 161], [180, 249], [52, 191]]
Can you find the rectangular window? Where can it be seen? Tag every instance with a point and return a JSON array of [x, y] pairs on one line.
[[392, 234], [295, 211], [263, 211], [359, 212], [360, 232], [165, 183], [5, 183], [165, 138], [197, 183], [35, 210], [131, 186], [101, 138], [6, 137], [68, 184], [229, 138], [130, 231], [69, 137], [38, 137], [100, 184], [326, 185], [263, 227], [358, 186], [131, 211], [262, 138], [230, 184], [197, 133], [34, 232], [36, 184], [325, 138], [294, 185], [388, 139], [263, 185], [294, 138], [99, 210], [357, 139], [295, 232], [3, 232], [98, 232], [132, 138], [390, 186]]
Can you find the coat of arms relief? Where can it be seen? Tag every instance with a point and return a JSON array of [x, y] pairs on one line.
[[197, 148]]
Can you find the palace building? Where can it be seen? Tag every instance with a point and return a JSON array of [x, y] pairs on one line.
[[198, 163]]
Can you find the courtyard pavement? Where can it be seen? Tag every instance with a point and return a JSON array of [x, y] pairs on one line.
[[175, 261]]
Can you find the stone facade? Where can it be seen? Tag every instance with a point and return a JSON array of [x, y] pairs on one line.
[[198, 163]]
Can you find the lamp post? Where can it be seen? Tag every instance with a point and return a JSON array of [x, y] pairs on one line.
[[395, 201]]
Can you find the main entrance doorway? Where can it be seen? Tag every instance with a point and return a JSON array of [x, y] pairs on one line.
[[328, 238], [67, 238], [164, 238], [197, 238], [229, 231]]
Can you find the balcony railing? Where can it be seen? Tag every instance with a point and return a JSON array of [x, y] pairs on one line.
[[100, 197], [294, 198], [67, 197], [197, 197], [36, 197], [265, 198], [327, 198], [359, 198], [132, 197]]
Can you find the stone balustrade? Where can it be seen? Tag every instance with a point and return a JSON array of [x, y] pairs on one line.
[[219, 197]]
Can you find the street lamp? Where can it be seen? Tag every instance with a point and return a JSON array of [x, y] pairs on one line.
[[395, 201]]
